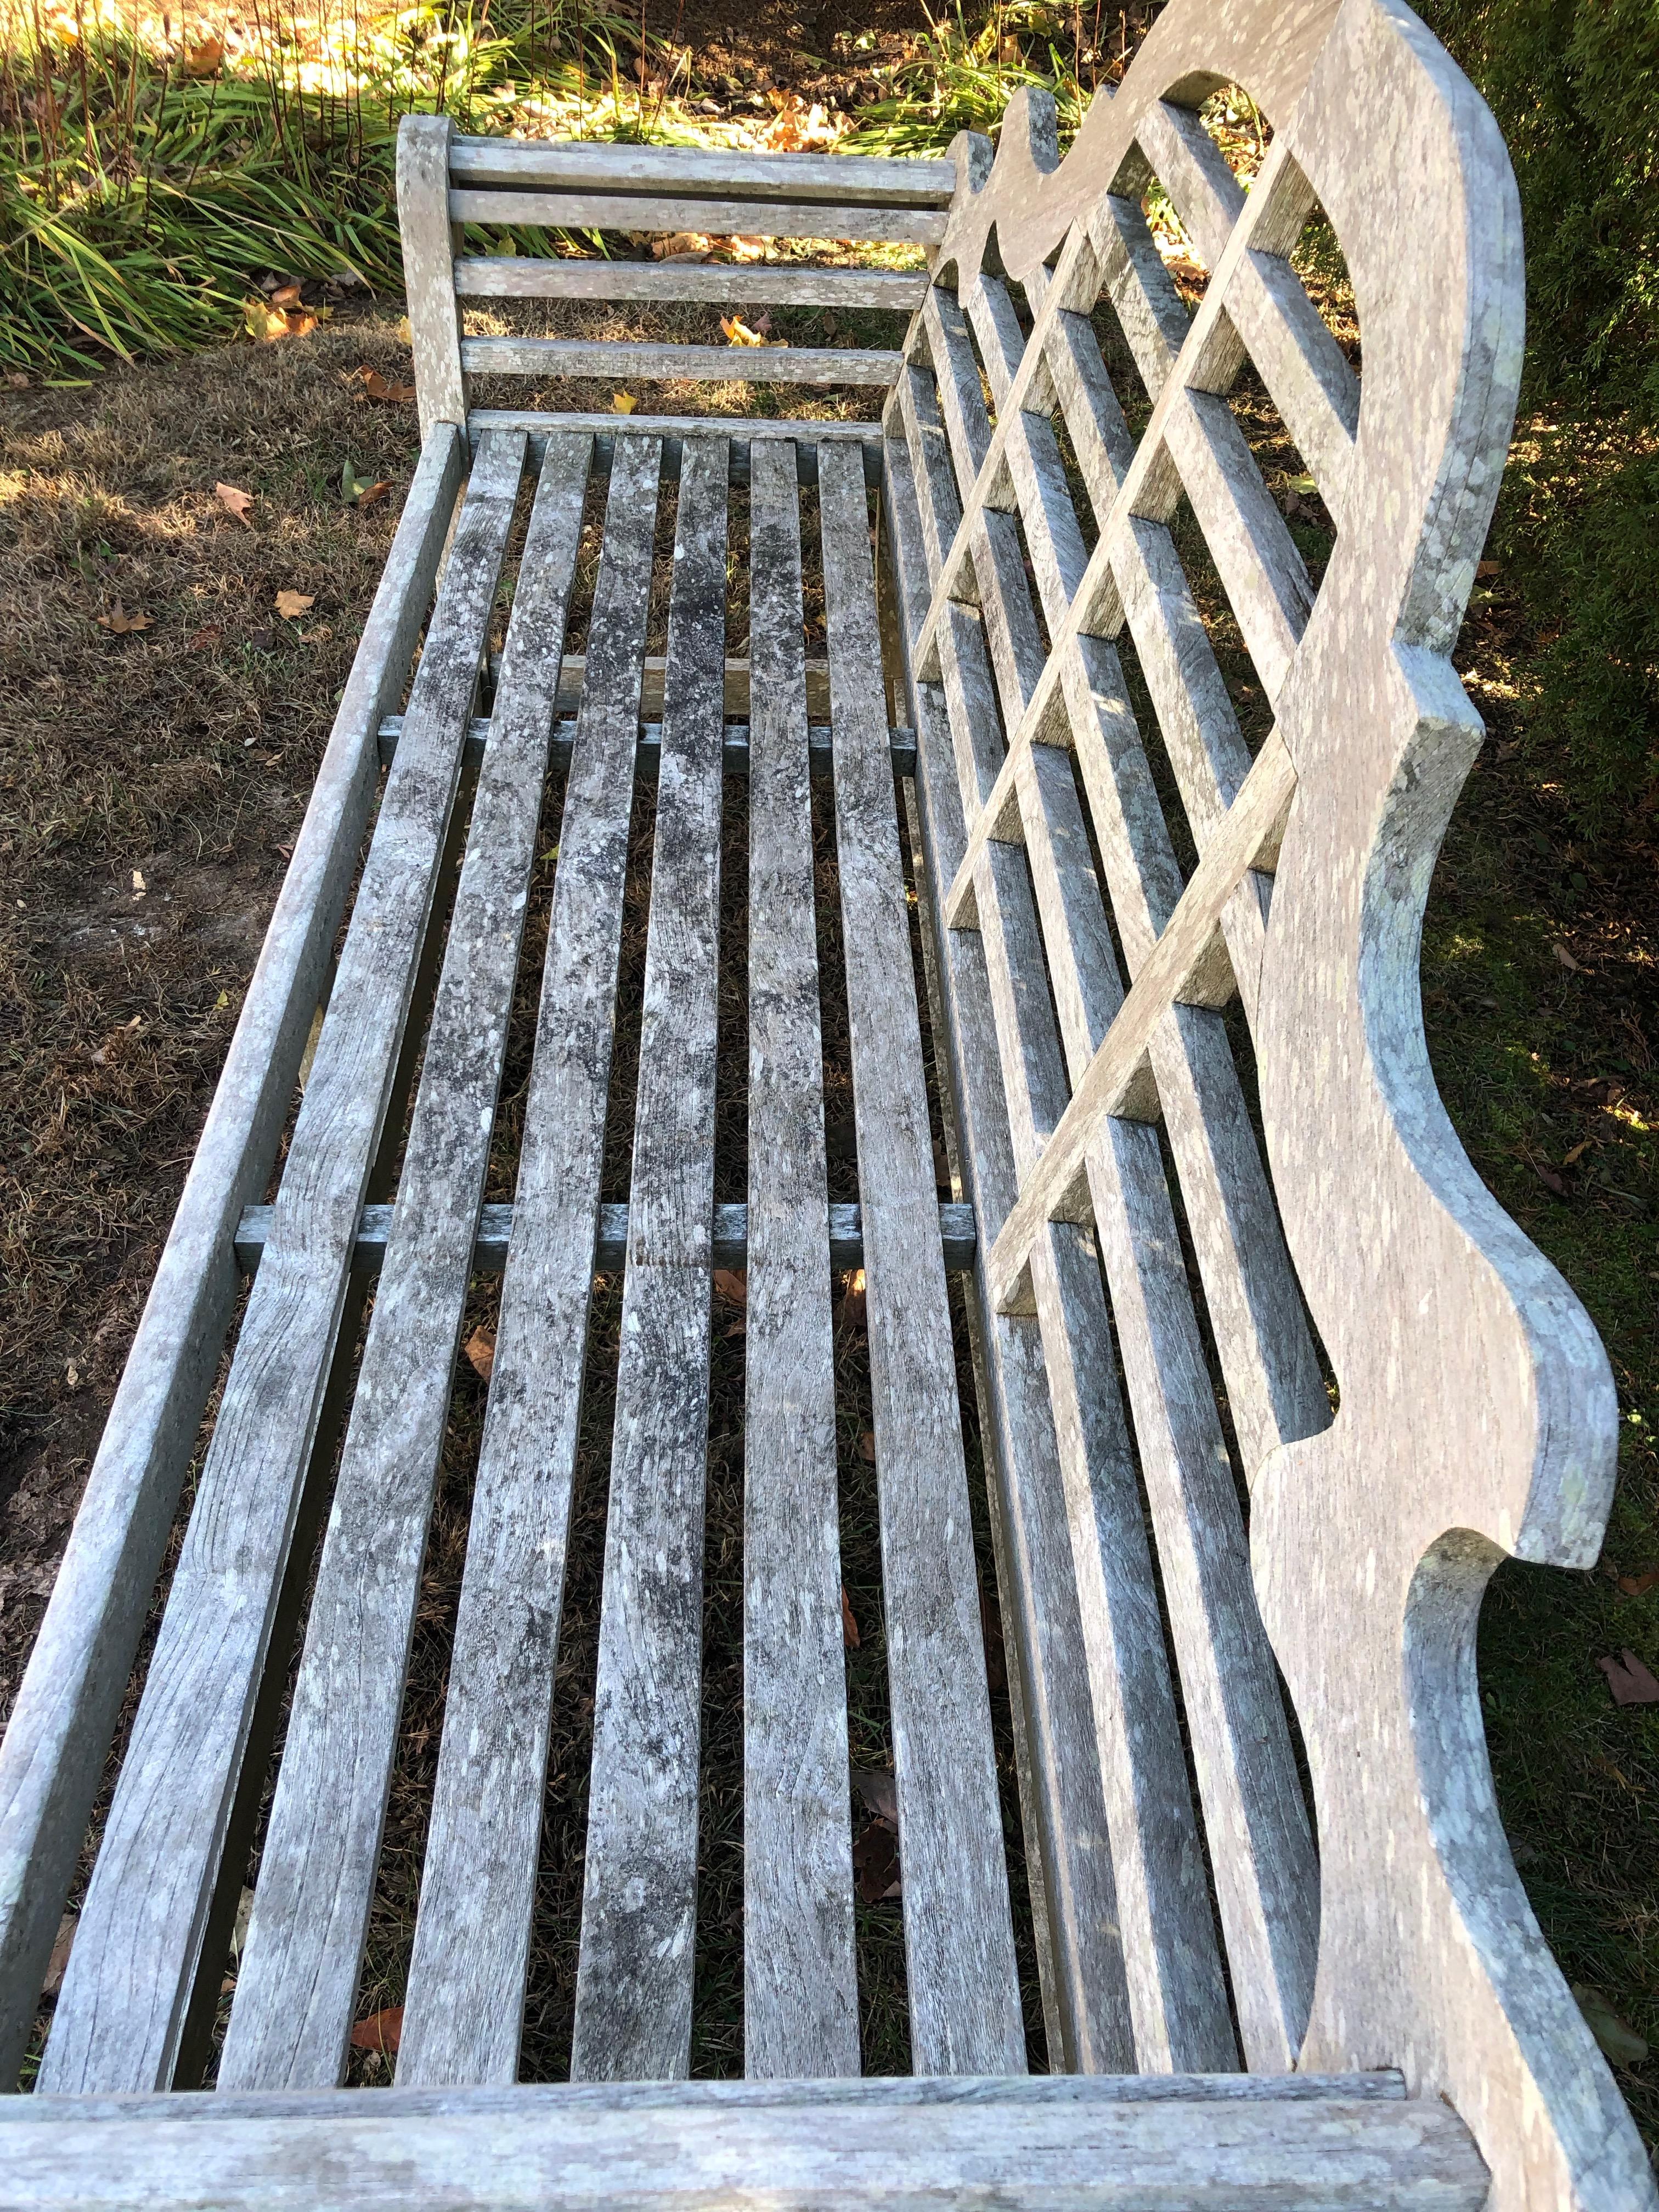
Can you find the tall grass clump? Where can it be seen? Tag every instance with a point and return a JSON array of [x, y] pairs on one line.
[[149, 174]]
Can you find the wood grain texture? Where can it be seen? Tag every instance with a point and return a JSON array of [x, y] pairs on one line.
[[435, 320], [962, 1985], [800, 1980], [633, 1973], [52, 1753], [643, 362], [465, 2002], [122, 2007], [522, 276], [754, 218], [297, 1982], [698, 172], [611, 432], [1077, 2145]]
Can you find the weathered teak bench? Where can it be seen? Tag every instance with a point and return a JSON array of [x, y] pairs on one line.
[[1175, 1302]]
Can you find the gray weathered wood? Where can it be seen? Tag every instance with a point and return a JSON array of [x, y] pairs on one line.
[[958, 1236], [800, 1983], [123, 2003], [805, 432], [297, 1982], [642, 362], [820, 746], [963, 1986], [639, 1893], [466, 1996], [52, 1753], [721, 284], [754, 218], [435, 320], [1084, 2145], [695, 173]]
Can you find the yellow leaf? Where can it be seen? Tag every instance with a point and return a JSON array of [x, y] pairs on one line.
[[738, 332], [292, 605], [622, 403], [204, 60]]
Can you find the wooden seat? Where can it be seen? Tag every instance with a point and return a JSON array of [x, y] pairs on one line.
[[1126, 870]]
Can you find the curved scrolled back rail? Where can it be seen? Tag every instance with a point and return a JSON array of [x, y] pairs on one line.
[[1477, 1414]]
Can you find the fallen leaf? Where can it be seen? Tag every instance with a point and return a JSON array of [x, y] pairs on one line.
[[120, 623], [1638, 1584], [200, 640], [234, 500], [138, 882], [292, 605], [379, 387], [263, 322], [356, 493], [480, 1349], [867, 1446], [1576, 1154], [244, 1922], [879, 1791], [849, 1627], [372, 493], [285, 295], [876, 1862], [1567, 960], [622, 403], [319, 636], [1485, 568], [731, 1286], [204, 59], [57, 1965], [381, 2031], [1629, 1679], [17, 382], [1549, 1178], [851, 1311], [262, 640], [739, 333], [1619, 2040], [683, 245]]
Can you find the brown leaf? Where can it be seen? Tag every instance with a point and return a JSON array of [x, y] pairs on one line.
[[199, 640], [867, 1446], [849, 1627], [879, 1791], [1567, 960], [57, 1965], [683, 245], [1629, 1679], [319, 636], [292, 605], [876, 1862], [285, 295], [731, 1286], [1576, 1154], [379, 387], [1549, 1178], [234, 500], [1618, 2039], [381, 2031], [1638, 1584], [372, 493], [480, 1349], [1483, 570], [204, 59], [120, 623]]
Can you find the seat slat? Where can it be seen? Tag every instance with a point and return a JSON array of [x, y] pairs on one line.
[[296, 1987], [642, 362], [755, 218], [800, 1982], [465, 2003], [634, 1976], [962, 1982], [121, 2013]]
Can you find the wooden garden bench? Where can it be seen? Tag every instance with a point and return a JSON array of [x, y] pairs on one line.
[[1221, 1259]]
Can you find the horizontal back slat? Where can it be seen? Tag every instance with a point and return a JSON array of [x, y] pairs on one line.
[[695, 364], [698, 172], [667, 283], [755, 218]]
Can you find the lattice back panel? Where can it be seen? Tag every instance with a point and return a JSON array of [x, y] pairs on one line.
[[1116, 867]]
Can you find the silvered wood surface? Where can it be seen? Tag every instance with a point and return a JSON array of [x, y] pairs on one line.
[[634, 1976], [466, 1996]]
